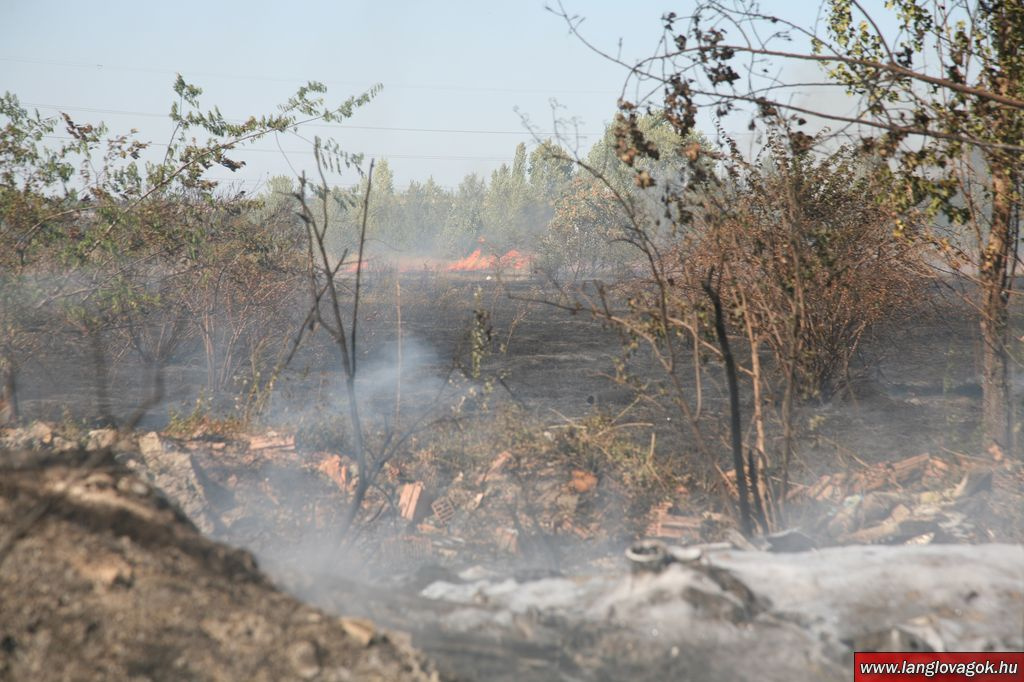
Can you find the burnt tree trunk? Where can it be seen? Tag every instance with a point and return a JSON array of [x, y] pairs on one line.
[[735, 419]]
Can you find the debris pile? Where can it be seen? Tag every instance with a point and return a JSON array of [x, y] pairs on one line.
[[513, 506], [257, 490], [918, 500], [721, 610], [924, 470]]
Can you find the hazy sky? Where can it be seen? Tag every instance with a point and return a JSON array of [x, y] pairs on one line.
[[453, 72]]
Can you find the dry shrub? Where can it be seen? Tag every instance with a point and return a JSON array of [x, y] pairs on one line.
[[801, 253], [808, 261]]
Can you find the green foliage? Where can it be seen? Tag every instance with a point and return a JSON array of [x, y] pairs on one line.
[[202, 420], [505, 205], [510, 211], [587, 231], [149, 255], [981, 57], [421, 212], [551, 174], [464, 224]]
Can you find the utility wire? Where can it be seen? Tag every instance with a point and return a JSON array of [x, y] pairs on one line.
[[149, 114], [281, 79], [243, 149]]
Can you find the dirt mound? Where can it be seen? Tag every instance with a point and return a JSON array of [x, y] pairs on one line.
[[101, 578]]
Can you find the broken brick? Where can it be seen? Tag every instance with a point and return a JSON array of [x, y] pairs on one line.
[[271, 440], [443, 510], [507, 539], [410, 498], [583, 481], [334, 469], [665, 524], [495, 470]]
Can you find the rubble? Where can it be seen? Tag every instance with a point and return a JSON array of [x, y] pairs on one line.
[[923, 468], [920, 500], [410, 499], [893, 517], [535, 508], [336, 470], [40, 433], [98, 439], [359, 629], [699, 588], [667, 524], [271, 440], [36, 434], [509, 506], [172, 471], [443, 510], [583, 481]]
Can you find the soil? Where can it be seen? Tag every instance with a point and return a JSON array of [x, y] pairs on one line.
[[122, 585], [102, 579], [915, 387]]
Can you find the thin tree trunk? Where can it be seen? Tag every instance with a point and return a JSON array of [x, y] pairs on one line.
[[101, 375], [1000, 253], [997, 404], [735, 421], [758, 456], [9, 411]]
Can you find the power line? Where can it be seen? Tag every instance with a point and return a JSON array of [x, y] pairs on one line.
[[148, 114], [281, 79], [243, 149]]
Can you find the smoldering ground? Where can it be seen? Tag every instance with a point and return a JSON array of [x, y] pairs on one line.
[[282, 503]]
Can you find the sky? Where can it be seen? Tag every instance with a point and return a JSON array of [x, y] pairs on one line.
[[458, 76]]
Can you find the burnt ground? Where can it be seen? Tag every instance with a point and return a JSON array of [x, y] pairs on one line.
[[550, 359], [542, 392], [545, 376], [915, 385]]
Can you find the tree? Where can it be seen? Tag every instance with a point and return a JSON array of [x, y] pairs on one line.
[[504, 211], [464, 225], [551, 172], [941, 97], [587, 230], [416, 217], [93, 241], [383, 224], [383, 208], [34, 182]]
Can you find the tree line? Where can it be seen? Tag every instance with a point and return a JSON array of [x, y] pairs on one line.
[[545, 202]]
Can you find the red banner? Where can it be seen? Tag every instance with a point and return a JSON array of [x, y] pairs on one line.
[[913, 666]]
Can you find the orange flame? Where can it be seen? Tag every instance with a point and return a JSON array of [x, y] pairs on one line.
[[474, 262], [513, 260]]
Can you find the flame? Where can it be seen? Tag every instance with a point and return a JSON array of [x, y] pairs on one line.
[[354, 265], [477, 261], [474, 262]]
